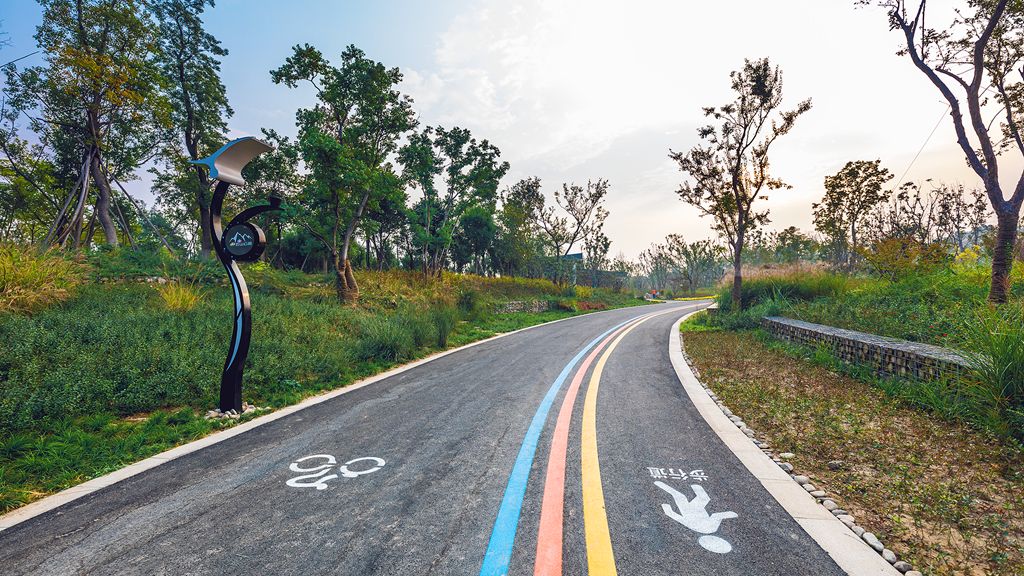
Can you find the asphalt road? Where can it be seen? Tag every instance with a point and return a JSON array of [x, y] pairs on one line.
[[445, 479]]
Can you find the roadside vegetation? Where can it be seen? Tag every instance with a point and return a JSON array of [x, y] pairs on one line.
[[125, 365], [944, 495]]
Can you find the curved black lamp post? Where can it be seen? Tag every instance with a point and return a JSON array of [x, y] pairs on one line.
[[243, 241]]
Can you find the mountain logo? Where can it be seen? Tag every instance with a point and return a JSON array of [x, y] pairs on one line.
[[240, 239]]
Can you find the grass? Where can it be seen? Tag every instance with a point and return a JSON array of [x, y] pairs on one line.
[[943, 495], [30, 281], [121, 369], [179, 296]]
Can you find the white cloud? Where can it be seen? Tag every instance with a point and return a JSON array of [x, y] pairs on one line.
[[577, 90]]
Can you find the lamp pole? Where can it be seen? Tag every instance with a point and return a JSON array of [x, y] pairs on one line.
[[240, 241]]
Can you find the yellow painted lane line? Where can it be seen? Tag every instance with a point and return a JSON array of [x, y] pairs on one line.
[[600, 558]]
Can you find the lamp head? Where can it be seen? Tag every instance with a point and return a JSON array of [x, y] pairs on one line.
[[227, 163]]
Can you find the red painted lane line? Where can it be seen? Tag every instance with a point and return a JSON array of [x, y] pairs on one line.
[[548, 561]]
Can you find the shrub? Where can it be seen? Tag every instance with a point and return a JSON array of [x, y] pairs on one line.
[[794, 287], [472, 304], [444, 319], [469, 300], [993, 343], [896, 258], [30, 281], [420, 328], [567, 304], [749, 317], [385, 339], [180, 296]]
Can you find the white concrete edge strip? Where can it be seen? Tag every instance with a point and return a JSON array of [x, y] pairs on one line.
[[851, 553], [48, 503]]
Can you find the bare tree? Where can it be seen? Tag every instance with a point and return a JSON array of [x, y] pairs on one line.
[[979, 54], [731, 170]]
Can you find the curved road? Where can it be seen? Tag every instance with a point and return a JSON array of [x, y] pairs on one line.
[[568, 448]]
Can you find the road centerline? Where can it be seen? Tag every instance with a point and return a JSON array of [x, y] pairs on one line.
[[499, 548], [548, 559], [600, 556]]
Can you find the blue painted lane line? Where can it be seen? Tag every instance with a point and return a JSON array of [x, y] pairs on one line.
[[503, 535]]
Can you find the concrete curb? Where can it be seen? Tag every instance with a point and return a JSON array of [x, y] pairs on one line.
[[48, 503], [851, 553]]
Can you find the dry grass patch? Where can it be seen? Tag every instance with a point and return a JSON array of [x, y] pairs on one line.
[[945, 497]]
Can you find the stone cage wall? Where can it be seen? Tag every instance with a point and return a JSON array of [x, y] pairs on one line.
[[523, 306], [889, 356]]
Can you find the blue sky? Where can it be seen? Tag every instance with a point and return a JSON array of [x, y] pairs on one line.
[[576, 89]]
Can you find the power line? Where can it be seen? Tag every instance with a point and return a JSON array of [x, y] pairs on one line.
[[22, 58], [921, 149]]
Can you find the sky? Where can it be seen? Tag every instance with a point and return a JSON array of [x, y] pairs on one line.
[[572, 91]]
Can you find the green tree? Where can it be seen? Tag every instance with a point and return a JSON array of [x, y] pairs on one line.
[[96, 104], [189, 59], [730, 171], [344, 139], [974, 63], [476, 234], [595, 251], [584, 215], [697, 264], [470, 171], [791, 246], [850, 195], [516, 242]]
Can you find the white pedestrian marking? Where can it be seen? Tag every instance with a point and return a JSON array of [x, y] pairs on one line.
[[693, 515], [350, 474], [317, 476]]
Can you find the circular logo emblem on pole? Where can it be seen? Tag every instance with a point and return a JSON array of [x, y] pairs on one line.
[[244, 241]]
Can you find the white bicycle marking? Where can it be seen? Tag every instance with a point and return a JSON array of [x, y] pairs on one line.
[[693, 515], [330, 462], [350, 474], [317, 476]]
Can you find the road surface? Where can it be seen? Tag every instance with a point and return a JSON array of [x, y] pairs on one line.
[[569, 448]]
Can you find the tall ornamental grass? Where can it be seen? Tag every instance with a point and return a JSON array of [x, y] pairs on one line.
[[993, 343], [31, 281]]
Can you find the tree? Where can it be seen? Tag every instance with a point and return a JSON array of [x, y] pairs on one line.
[[656, 267], [595, 251], [730, 172], [189, 59], [96, 105], [911, 214], [475, 235], [960, 221], [470, 171], [973, 62], [850, 195], [697, 264], [583, 206], [791, 245], [344, 139], [516, 245]]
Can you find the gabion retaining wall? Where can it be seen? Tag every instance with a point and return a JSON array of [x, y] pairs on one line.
[[889, 356], [524, 306]]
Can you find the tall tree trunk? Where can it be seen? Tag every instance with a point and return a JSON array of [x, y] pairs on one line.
[[737, 276], [1002, 258], [103, 203], [348, 290]]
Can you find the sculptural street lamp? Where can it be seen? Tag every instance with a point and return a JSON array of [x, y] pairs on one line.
[[242, 241]]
